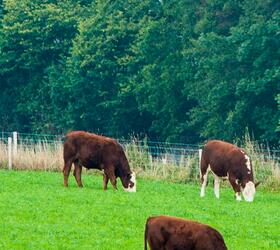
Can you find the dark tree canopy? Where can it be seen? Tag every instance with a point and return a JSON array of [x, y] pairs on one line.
[[179, 70]]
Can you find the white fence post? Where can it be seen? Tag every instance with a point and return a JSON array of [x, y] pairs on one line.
[[151, 160], [10, 153], [14, 143], [199, 155]]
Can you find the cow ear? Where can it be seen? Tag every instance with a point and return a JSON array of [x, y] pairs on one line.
[[257, 183]]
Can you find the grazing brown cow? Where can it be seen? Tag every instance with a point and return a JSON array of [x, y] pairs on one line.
[[227, 161], [98, 152], [169, 233]]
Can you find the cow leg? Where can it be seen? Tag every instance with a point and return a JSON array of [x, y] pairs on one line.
[[113, 181], [111, 174], [216, 186], [236, 187], [105, 181], [203, 177], [66, 172], [77, 173]]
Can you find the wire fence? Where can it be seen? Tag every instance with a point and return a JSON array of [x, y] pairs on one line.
[[169, 152], [175, 162]]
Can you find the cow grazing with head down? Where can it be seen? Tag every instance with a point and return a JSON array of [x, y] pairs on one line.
[[169, 233], [227, 161], [98, 152]]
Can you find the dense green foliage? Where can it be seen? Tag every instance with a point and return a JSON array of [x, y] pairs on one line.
[[45, 215], [171, 70]]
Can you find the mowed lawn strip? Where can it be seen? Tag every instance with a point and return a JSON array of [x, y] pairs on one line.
[[37, 212]]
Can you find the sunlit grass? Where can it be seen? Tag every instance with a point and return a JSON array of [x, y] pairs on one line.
[[37, 212]]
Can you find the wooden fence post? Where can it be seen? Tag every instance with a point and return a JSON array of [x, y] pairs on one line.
[[14, 143], [10, 153]]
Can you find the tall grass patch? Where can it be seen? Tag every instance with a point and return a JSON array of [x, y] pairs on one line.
[[177, 167], [266, 166]]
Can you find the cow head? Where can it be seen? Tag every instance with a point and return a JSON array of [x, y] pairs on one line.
[[129, 182], [249, 191]]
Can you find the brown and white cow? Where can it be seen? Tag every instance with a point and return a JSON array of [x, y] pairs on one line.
[[169, 233], [98, 152], [227, 161]]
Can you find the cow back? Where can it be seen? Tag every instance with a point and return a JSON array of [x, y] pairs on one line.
[[225, 158], [95, 151], [165, 232]]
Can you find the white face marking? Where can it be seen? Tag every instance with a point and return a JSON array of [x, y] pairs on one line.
[[249, 191], [132, 179], [247, 159]]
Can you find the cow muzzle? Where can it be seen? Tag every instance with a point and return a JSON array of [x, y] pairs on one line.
[[131, 184], [249, 191]]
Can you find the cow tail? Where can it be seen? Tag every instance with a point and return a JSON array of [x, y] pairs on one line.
[[146, 236]]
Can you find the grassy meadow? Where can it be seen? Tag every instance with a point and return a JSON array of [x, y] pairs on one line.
[[37, 212]]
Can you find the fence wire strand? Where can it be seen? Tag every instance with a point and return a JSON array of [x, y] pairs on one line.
[[156, 149]]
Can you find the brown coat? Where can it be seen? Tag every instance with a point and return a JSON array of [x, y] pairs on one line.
[[230, 162], [98, 152], [169, 233]]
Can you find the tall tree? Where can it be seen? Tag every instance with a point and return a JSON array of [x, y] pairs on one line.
[[178, 71], [160, 81], [35, 35], [100, 68], [236, 77]]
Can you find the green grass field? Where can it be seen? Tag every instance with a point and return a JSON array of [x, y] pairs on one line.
[[37, 212]]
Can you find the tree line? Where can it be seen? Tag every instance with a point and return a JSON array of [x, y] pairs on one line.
[[182, 71]]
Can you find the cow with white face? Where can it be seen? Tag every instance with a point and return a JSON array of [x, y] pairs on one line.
[[227, 161], [97, 152], [131, 188]]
